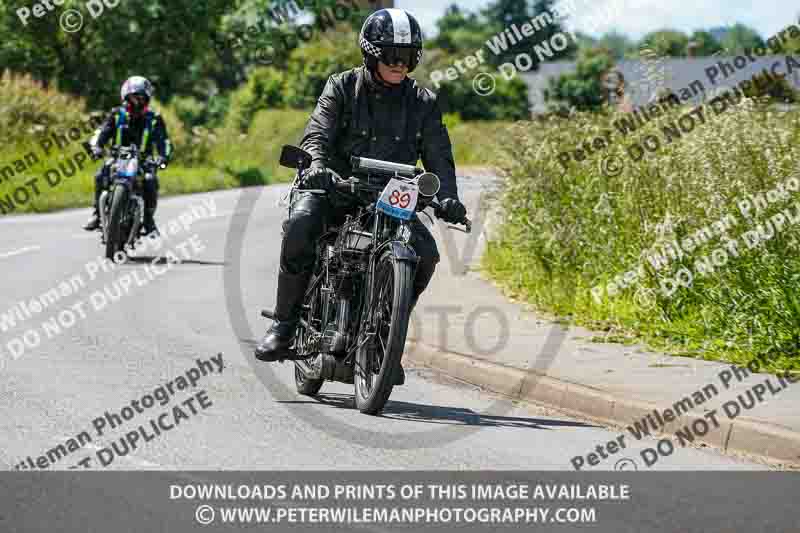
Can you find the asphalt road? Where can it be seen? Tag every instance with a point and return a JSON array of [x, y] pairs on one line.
[[249, 418]]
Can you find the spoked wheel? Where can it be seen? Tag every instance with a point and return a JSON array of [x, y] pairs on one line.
[[305, 385], [377, 358]]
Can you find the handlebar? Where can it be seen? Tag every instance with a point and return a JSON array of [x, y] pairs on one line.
[[376, 165], [150, 161], [467, 223], [353, 185]]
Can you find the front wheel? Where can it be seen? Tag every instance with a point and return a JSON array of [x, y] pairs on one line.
[[114, 241], [311, 311], [377, 358]]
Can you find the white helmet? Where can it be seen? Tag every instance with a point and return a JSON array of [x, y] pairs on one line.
[[136, 85]]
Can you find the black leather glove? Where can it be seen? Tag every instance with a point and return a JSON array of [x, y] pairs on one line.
[[452, 211], [319, 178]]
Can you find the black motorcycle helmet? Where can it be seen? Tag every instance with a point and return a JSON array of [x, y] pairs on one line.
[[391, 35]]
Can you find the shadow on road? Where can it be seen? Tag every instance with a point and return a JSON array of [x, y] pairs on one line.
[[163, 261], [437, 414]]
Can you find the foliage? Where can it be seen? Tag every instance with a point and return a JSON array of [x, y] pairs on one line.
[[566, 232], [265, 89], [617, 44], [582, 89], [740, 37], [508, 102], [501, 14], [705, 44], [666, 42], [313, 63], [460, 31], [94, 61], [193, 112]]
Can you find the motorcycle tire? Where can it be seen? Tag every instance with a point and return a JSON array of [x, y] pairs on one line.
[[305, 385], [119, 202], [376, 361]]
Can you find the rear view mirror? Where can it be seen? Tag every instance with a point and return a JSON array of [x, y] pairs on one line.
[[294, 157], [428, 184]]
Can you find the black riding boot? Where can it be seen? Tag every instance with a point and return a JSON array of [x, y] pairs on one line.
[[150, 221], [275, 344], [94, 220]]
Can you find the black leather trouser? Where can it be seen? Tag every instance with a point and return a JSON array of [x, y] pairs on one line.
[[306, 224]]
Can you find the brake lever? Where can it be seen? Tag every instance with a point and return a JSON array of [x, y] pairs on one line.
[[437, 207], [466, 229]]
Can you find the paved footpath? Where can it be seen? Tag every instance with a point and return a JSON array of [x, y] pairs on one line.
[[489, 341]]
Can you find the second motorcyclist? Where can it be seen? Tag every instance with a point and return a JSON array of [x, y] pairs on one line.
[[132, 123]]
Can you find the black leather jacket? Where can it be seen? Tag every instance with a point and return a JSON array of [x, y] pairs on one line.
[[355, 115], [133, 132]]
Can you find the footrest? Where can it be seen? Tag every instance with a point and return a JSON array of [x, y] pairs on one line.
[[268, 313]]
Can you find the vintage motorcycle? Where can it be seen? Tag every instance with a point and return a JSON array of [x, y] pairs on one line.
[[121, 205], [355, 314]]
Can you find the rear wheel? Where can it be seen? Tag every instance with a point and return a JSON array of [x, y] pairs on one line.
[[119, 201], [377, 358]]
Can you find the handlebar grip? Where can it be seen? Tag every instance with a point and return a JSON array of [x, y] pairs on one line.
[[344, 186]]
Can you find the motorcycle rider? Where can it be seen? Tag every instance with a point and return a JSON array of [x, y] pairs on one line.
[[372, 111], [133, 122]]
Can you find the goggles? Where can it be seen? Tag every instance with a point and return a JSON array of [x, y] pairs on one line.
[[394, 55]]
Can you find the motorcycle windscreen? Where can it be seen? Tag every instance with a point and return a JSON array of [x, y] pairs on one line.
[[128, 168]]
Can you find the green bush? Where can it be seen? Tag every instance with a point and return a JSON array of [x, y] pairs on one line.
[[265, 89], [568, 232], [509, 101], [582, 89], [193, 112], [312, 64]]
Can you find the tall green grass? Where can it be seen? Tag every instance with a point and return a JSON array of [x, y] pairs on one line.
[[566, 232]]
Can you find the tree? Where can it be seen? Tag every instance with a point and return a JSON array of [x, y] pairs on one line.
[[502, 14], [705, 43], [740, 37], [616, 43], [128, 39], [460, 31], [582, 89], [665, 43]]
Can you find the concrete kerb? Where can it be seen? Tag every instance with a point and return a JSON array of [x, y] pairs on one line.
[[740, 435]]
